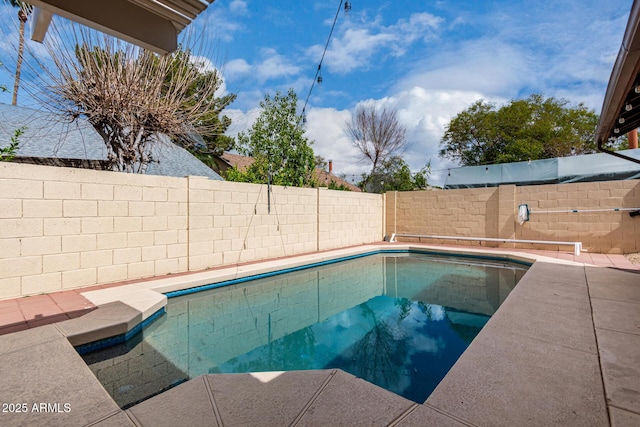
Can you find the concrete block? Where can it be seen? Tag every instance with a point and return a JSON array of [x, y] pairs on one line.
[[96, 258], [127, 192], [41, 283], [112, 273], [62, 226], [10, 248], [203, 196], [79, 208], [141, 269], [40, 245], [72, 279], [91, 191], [111, 240], [22, 266], [10, 228], [61, 190], [10, 288], [166, 266], [154, 223], [141, 238], [113, 208], [150, 253], [142, 208], [127, 255], [123, 224], [11, 208], [21, 189], [154, 194], [60, 262], [97, 225], [78, 243], [177, 222]]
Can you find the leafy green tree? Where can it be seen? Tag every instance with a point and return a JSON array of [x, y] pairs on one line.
[[24, 10], [277, 144], [8, 153], [394, 175], [527, 129]]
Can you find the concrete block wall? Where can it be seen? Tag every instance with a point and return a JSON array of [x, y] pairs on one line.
[[347, 219], [63, 228], [230, 222], [602, 230], [467, 212], [492, 212]]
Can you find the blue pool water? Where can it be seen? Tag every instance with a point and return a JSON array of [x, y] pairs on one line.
[[397, 320]]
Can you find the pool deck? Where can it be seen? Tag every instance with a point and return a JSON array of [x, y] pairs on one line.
[[563, 349]]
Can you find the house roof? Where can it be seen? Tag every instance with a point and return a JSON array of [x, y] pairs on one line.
[[240, 162], [322, 177], [151, 24], [621, 107], [49, 135]]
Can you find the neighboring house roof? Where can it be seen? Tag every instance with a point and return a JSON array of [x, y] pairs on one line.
[[240, 162], [49, 135], [322, 177]]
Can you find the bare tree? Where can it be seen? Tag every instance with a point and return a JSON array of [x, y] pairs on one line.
[[132, 96], [377, 134]]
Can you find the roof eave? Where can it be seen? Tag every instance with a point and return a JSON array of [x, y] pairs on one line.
[[622, 77]]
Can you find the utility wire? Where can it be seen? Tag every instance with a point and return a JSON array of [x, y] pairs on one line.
[[326, 46]]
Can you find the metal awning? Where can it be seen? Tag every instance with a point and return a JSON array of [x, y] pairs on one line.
[[151, 24], [621, 108]]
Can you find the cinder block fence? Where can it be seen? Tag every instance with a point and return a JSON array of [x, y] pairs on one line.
[[583, 212], [63, 228]]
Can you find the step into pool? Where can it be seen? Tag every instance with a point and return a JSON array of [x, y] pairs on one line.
[[398, 320]]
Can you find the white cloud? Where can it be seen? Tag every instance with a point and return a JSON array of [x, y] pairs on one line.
[[325, 127], [274, 65], [239, 7], [357, 44], [237, 68]]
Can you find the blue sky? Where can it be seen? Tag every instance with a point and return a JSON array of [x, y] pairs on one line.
[[428, 59]]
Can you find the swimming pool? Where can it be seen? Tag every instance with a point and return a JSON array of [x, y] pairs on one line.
[[399, 320]]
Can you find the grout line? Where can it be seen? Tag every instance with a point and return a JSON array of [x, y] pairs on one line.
[[99, 420], [315, 396], [404, 415], [595, 335], [631, 411], [212, 400], [455, 417], [133, 418]]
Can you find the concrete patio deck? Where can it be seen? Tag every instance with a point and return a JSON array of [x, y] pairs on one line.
[[563, 349]]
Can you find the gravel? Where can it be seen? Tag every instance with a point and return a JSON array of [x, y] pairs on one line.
[[634, 258]]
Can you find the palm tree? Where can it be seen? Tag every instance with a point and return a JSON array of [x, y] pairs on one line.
[[23, 14]]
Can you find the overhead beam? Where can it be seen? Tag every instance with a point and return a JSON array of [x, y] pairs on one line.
[[119, 18]]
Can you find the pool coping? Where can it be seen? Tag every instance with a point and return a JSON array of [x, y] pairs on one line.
[[121, 310]]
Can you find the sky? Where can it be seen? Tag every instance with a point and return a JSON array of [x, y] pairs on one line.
[[429, 60]]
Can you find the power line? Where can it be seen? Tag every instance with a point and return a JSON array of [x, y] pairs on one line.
[[318, 77]]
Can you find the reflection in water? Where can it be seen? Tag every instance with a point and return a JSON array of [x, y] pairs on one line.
[[399, 322]]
